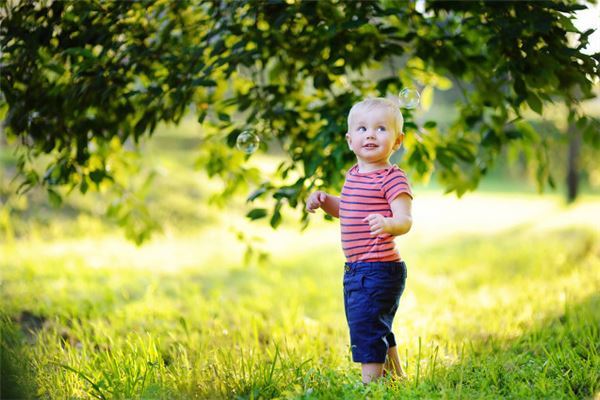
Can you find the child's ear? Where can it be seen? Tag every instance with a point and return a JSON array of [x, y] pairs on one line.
[[349, 140], [398, 141]]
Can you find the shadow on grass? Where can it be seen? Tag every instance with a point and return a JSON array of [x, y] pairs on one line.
[[16, 377]]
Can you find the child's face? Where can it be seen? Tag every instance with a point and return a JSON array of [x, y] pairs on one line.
[[372, 136]]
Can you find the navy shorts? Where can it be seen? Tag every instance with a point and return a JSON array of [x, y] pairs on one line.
[[372, 292]]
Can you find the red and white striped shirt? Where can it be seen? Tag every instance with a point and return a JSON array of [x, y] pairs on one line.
[[364, 194]]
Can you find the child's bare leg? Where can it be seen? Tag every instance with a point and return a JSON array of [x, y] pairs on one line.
[[392, 363], [371, 372]]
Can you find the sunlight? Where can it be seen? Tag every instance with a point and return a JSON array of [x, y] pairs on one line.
[[437, 216], [588, 19], [474, 214]]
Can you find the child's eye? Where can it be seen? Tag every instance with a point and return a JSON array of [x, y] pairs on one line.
[[361, 129], [381, 129]]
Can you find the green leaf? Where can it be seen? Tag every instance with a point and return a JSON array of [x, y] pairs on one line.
[[276, 217], [202, 116], [257, 213], [491, 139], [54, 198], [83, 187], [444, 157], [520, 89], [224, 117], [462, 151], [534, 102], [513, 134], [203, 82], [97, 175], [257, 193], [311, 165], [321, 80], [285, 192], [581, 123]]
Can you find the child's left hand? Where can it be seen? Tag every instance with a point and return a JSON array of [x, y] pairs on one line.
[[378, 224]]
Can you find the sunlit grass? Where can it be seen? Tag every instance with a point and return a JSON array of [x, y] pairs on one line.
[[510, 311]]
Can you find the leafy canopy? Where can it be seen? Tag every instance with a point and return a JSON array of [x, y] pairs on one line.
[[80, 80]]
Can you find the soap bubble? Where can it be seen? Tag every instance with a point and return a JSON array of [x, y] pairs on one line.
[[409, 98], [247, 141]]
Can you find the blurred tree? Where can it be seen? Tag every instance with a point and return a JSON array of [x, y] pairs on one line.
[[573, 170], [82, 79]]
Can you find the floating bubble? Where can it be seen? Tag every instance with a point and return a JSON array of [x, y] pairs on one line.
[[247, 141], [409, 98]]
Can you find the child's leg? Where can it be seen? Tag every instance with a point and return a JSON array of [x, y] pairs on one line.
[[371, 372], [392, 363]]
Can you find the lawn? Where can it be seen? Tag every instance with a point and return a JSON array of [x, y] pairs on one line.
[[502, 301]]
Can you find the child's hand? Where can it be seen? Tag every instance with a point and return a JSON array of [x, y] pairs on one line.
[[315, 200], [378, 224]]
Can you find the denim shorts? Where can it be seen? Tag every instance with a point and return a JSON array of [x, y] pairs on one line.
[[372, 292]]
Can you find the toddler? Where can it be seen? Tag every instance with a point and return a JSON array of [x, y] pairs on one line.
[[374, 207]]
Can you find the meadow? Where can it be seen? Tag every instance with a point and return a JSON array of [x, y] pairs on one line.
[[502, 300]]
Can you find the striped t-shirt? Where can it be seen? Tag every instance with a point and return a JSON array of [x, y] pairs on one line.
[[364, 194]]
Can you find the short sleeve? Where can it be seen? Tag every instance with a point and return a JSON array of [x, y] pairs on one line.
[[394, 184]]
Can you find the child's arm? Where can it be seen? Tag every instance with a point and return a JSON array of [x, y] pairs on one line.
[[330, 204], [399, 223]]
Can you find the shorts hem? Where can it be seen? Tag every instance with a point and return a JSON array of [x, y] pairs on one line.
[[368, 360]]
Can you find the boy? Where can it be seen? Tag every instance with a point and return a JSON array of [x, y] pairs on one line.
[[374, 207]]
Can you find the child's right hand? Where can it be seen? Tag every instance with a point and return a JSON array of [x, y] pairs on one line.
[[315, 200]]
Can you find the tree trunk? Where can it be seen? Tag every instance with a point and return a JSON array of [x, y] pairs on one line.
[[573, 163]]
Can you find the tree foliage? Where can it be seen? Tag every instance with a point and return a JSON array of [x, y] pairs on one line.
[[80, 80]]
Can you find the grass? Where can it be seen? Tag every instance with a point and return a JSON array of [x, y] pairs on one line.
[[502, 301], [507, 314]]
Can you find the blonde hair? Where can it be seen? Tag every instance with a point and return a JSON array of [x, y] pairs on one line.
[[379, 102]]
